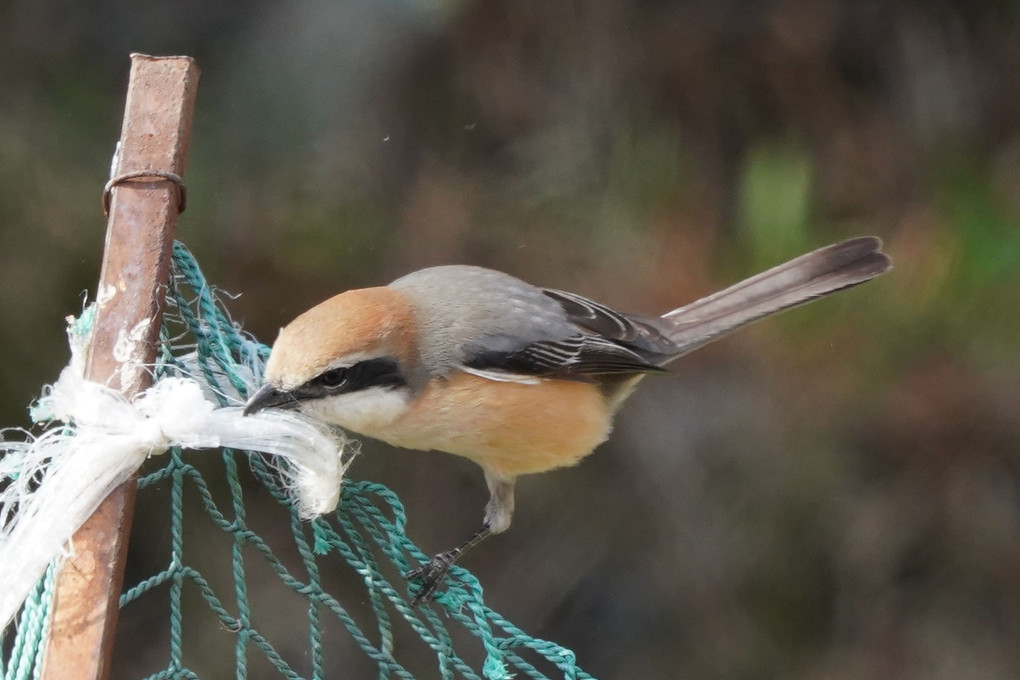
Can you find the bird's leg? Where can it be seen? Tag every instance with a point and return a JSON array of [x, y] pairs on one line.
[[498, 513], [431, 574]]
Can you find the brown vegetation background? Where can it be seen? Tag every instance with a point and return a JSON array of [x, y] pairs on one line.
[[832, 494]]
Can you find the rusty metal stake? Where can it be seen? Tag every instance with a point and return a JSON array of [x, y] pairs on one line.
[[136, 261]]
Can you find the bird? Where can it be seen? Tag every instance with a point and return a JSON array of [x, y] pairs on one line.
[[518, 378]]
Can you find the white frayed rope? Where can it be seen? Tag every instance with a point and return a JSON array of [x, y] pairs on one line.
[[58, 479]]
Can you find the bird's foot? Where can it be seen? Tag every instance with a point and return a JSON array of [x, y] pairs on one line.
[[430, 576]]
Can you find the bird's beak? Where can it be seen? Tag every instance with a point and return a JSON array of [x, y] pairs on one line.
[[269, 396]]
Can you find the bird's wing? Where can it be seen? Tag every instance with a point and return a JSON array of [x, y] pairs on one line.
[[644, 335], [577, 357], [606, 343]]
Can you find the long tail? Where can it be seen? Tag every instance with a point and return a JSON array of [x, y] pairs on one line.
[[796, 282]]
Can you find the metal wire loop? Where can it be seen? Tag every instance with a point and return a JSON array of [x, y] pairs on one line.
[[150, 175]]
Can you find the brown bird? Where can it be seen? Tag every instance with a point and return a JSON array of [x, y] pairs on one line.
[[519, 379]]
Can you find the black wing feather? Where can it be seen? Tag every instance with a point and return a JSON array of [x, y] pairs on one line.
[[607, 343], [574, 357], [645, 335]]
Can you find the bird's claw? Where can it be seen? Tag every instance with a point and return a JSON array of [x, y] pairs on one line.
[[429, 577]]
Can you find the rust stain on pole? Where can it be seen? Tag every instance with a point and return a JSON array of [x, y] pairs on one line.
[[136, 264]]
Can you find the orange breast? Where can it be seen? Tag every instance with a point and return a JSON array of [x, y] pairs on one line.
[[508, 428]]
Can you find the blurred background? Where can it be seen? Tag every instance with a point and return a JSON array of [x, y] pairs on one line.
[[834, 493]]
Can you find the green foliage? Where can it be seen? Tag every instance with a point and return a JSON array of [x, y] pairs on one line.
[[775, 200]]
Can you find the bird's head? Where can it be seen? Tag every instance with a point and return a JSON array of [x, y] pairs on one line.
[[344, 361]]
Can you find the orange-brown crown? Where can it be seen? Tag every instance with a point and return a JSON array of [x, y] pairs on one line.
[[358, 324]]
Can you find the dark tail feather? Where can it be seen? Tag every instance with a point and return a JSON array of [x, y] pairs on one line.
[[796, 282]]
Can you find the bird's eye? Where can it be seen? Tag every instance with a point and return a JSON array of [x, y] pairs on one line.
[[333, 378]]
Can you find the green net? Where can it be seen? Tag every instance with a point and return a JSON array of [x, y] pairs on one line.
[[462, 637]]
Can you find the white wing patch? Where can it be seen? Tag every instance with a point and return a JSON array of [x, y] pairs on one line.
[[502, 376]]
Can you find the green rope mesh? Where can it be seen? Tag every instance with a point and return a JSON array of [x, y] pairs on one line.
[[366, 531]]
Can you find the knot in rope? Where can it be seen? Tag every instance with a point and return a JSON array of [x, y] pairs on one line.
[[99, 440]]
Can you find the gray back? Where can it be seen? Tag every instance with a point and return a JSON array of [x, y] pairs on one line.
[[463, 310]]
